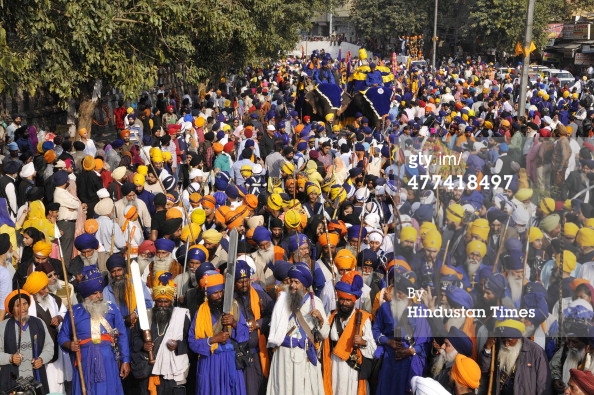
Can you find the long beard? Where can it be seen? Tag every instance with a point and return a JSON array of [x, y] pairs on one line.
[[266, 255], [96, 309], [398, 307], [438, 363], [515, 286], [43, 301], [472, 266], [367, 278], [55, 287], [296, 300], [143, 262], [574, 358], [161, 264], [455, 321], [344, 312], [119, 289], [92, 260], [216, 307], [162, 315], [508, 356]]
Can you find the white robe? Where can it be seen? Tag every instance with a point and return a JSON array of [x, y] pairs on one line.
[[345, 380], [291, 373]]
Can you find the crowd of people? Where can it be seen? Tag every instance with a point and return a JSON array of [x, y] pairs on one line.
[[365, 262]]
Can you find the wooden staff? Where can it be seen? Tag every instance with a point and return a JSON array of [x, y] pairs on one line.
[[501, 243], [330, 251], [83, 386], [491, 370], [438, 286]]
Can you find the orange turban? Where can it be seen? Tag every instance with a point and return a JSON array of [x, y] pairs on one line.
[[345, 259], [251, 201], [91, 226], [209, 201], [212, 283], [42, 248], [330, 238], [88, 163], [36, 281], [49, 156]]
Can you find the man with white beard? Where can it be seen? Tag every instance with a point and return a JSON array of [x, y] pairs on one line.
[[521, 364], [163, 261], [264, 256], [458, 300], [50, 309], [576, 353], [456, 343], [87, 245], [146, 254], [130, 199], [55, 285], [98, 326], [405, 338], [475, 251], [513, 264], [120, 290], [295, 369], [187, 280], [368, 261]]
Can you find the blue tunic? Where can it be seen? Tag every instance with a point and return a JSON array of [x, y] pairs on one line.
[[216, 373], [394, 376], [100, 368]]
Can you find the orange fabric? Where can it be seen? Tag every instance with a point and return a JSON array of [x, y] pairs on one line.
[[470, 330], [342, 350], [203, 328], [104, 337], [153, 383], [262, 350]]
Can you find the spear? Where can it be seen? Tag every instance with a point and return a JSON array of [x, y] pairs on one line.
[[83, 386], [501, 243]]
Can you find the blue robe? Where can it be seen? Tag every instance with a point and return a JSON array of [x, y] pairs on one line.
[[95, 356], [216, 373], [394, 376]]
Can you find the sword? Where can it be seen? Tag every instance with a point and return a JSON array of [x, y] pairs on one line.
[[230, 274], [143, 321]]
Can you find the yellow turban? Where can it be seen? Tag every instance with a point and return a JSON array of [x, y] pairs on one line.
[[432, 239], [480, 227], [212, 236], [569, 261], [138, 179], [167, 156], [36, 282], [173, 213], [142, 169], [313, 188], [570, 229], [198, 216], [547, 205], [157, 157], [585, 237], [82, 131], [426, 227], [466, 372], [534, 234], [590, 223], [476, 246], [88, 163], [408, 234], [510, 323], [524, 194], [42, 248], [455, 213], [163, 287], [292, 219], [345, 260], [275, 201], [187, 233]]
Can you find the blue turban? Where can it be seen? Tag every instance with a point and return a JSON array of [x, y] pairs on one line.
[[114, 261], [353, 232], [457, 297], [59, 178], [92, 281], [449, 280], [220, 183], [460, 341], [537, 303], [367, 257], [281, 269], [484, 272], [261, 234], [302, 146], [202, 269], [513, 245], [117, 143], [503, 148], [497, 284], [424, 213], [196, 254], [355, 288], [302, 273], [404, 281], [513, 184], [86, 241], [295, 241], [495, 214], [164, 245], [47, 145], [249, 143], [242, 270], [514, 260], [231, 191], [221, 198]]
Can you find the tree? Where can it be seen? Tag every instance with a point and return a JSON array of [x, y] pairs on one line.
[[74, 47]]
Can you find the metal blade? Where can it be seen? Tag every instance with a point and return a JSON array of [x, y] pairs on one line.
[[139, 294], [230, 273]]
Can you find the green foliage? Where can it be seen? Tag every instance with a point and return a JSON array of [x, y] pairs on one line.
[[65, 45]]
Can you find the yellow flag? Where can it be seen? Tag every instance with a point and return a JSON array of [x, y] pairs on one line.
[[532, 47], [519, 49]]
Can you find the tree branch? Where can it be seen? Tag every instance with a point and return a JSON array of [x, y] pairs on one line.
[[116, 19]]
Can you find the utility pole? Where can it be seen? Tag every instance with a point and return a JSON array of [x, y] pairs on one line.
[[434, 36], [526, 63]]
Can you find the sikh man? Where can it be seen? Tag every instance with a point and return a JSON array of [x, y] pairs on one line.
[[256, 306], [264, 256], [466, 375], [352, 344], [212, 241], [456, 343], [580, 383], [346, 262], [404, 337], [50, 309], [109, 234], [146, 254], [187, 280], [99, 326], [26, 345], [120, 290], [521, 365], [130, 198], [329, 242], [169, 343], [212, 336], [164, 261], [87, 245], [295, 368], [514, 269]]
